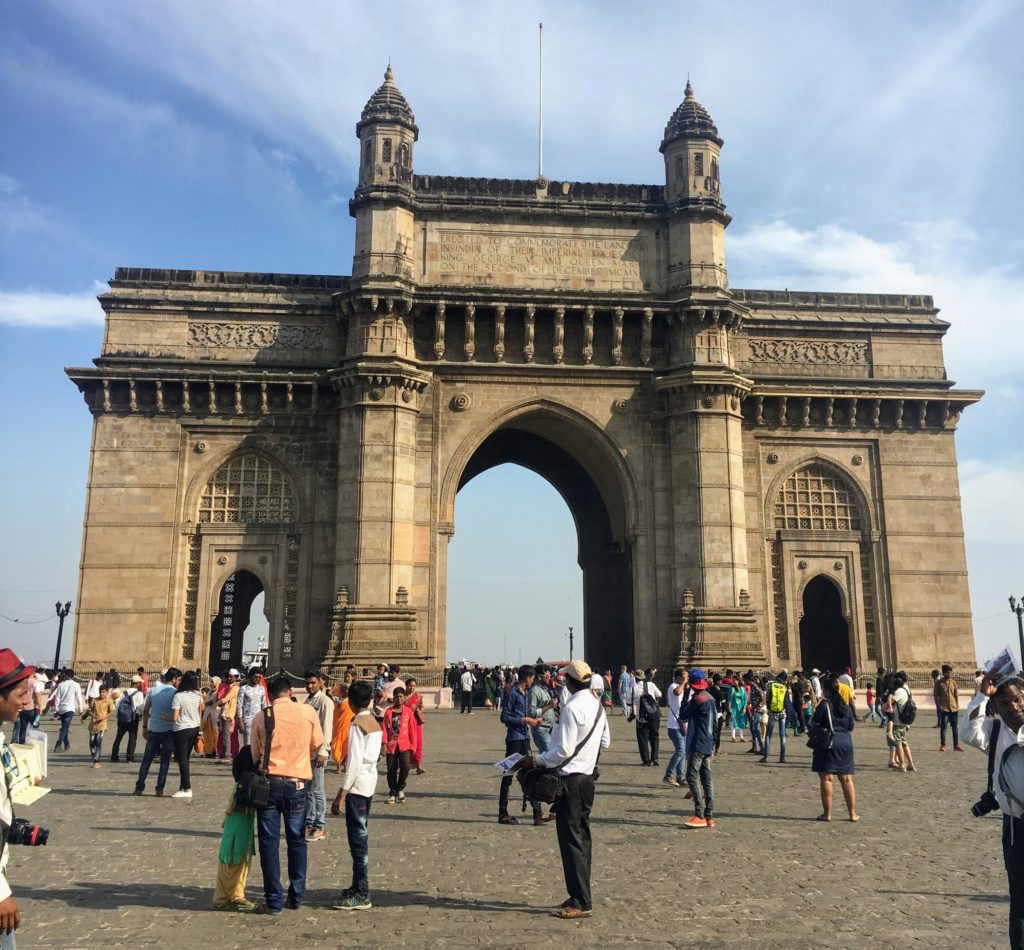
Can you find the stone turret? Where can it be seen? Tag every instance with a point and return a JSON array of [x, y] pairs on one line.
[[387, 131], [692, 149]]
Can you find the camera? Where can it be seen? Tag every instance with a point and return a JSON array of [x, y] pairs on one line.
[[22, 832], [987, 803]]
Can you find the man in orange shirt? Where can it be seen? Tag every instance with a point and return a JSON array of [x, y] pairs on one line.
[[295, 740]]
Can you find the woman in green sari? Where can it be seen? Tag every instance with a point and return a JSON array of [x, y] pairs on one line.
[[738, 708]]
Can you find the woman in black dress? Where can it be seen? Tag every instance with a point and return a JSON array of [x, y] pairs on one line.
[[839, 759]]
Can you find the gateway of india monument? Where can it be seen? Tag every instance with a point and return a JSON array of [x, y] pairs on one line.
[[758, 478]]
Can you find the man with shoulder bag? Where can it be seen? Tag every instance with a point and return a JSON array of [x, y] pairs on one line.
[[648, 718], [1002, 737], [129, 712], [576, 742]]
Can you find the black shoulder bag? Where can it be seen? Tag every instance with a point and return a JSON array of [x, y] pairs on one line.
[[820, 736], [252, 788], [542, 784]]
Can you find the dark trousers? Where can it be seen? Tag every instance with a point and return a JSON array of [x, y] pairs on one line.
[[162, 742], [398, 770], [801, 717], [647, 740], [572, 821], [467, 702], [951, 719], [130, 729], [65, 728], [184, 740], [1013, 858], [698, 777], [357, 817], [289, 802], [22, 724], [522, 746]]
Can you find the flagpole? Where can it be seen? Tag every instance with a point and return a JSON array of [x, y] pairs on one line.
[[540, 103]]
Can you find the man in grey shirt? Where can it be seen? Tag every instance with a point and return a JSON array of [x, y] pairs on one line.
[[316, 800], [252, 700], [542, 706]]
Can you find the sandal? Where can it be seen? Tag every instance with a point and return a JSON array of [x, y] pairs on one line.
[[571, 913], [822, 818], [507, 820]]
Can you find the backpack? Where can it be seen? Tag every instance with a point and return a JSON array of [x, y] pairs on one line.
[[647, 708], [907, 713], [777, 702], [126, 706]]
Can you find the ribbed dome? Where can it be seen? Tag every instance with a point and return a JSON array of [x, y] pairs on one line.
[[691, 118], [388, 103]]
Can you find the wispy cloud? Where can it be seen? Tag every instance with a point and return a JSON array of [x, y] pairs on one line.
[[43, 308], [19, 215], [982, 302]]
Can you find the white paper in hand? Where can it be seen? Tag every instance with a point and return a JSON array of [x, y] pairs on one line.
[[506, 765]]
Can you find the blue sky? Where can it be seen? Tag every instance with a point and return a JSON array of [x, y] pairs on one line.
[[871, 148]]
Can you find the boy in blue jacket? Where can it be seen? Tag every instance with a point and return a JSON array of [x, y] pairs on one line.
[[701, 713]]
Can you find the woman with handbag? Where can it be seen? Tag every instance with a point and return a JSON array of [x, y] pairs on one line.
[[828, 735]]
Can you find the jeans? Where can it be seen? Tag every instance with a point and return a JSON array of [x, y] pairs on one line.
[[184, 741], [952, 719], [96, 745], [774, 718], [357, 816], [756, 742], [316, 800], [65, 726], [572, 823], [162, 742], [675, 764], [131, 729], [22, 724], [698, 777], [541, 737], [8, 942], [287, 800], [1013, 859]]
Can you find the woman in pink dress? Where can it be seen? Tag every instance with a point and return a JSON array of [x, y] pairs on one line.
[[415, 702]]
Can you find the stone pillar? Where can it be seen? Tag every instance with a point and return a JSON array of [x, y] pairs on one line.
[[709, 548]]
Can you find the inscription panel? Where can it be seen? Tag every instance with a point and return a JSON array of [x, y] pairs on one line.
[[574, 258]]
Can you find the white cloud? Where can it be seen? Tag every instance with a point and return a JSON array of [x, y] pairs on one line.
[[990, 494], [43, 308], [982, 301], [19, 215]]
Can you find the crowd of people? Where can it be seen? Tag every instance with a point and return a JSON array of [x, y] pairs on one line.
[[556, 722]]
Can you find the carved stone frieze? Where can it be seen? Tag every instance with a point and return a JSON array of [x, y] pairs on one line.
[[256, 335], [853, 352]]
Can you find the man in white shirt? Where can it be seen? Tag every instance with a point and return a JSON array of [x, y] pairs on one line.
[[316, 800], [674, 772], [67, 700], [356, 794], [252, 700], [648, 718], [815, 687], [466, 688], [92, 688], [576, 742]]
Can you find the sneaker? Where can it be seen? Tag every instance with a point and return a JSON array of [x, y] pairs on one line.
[[711, 822], [942, 748], [958, 748], [400, 797], [307, 831], [243, 906], [696, 822], [115, 758], [183, 793], [137, 791], [316, 834], [668, 780], [159, 793], [391, 799], [354, 902], [763, 758]]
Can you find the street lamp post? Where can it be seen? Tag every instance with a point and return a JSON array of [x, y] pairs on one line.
[[570, 644], [1018, 609], [62, 612]]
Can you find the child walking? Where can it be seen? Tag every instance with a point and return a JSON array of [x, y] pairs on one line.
[[356, 793], [399, 721], [101, 708]]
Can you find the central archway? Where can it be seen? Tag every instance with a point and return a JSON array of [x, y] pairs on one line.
[[824, 632], [577, 459]]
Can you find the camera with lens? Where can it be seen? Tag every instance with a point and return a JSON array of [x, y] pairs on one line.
[[21, 832], [987, 803]]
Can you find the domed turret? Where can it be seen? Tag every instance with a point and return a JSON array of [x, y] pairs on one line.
[[691, 147], [690, 119], [386, 130]]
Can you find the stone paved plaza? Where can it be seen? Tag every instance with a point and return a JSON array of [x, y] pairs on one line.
[[917, 871]]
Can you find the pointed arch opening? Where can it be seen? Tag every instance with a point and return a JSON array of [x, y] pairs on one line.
[[824, 632]]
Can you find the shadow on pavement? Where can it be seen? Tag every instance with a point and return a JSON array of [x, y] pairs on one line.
[[107, 895]]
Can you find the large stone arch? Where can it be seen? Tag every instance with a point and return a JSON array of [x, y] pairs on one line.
[[582, 463]]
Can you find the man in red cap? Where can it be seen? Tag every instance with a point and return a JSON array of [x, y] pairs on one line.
[[14, 689]]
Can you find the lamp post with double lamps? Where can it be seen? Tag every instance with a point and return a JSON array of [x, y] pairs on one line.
[[1018, 609], [62, 612]]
